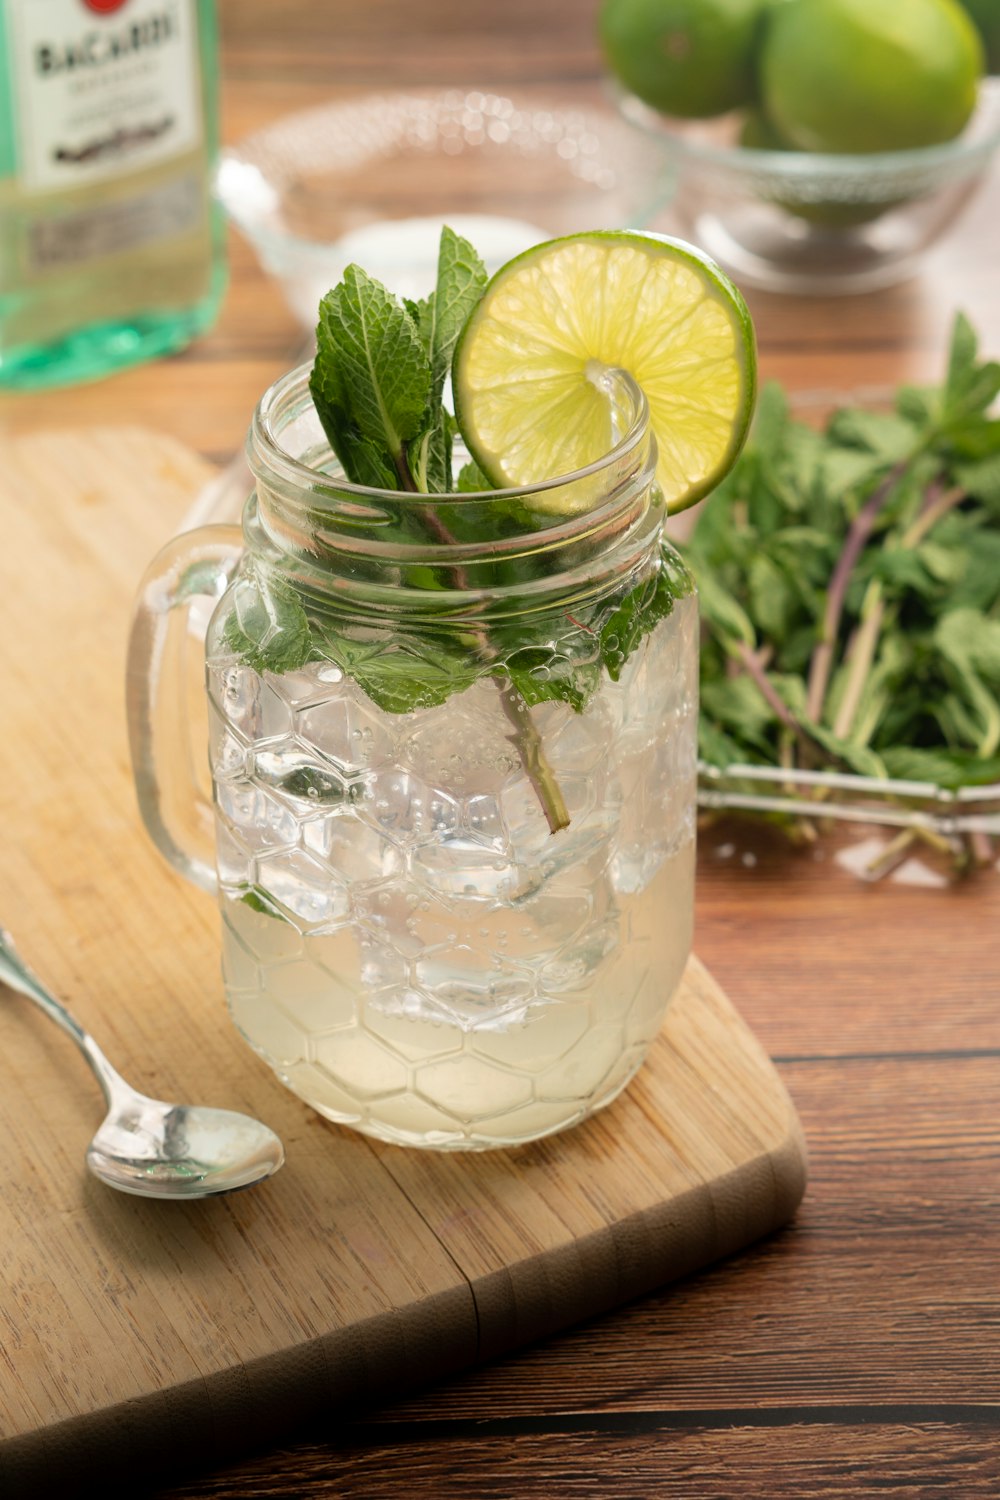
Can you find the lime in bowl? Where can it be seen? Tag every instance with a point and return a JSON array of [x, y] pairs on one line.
[[810, 222]]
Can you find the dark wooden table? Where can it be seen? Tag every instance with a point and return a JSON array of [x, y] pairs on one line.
[[858, 1352]]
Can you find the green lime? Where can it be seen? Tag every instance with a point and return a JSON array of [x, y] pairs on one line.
[[686, 57], [869, 75], [986, 14], [526, 398]]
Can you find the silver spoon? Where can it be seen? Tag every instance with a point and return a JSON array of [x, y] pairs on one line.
[[147, 1147]]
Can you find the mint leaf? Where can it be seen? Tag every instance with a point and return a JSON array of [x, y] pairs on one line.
[[259, 901], [402, 681], [542, 675], [946, 768], [904, 570], [888, 435], [770, 421], [370, 367], [363, 461], [267, 626], [862, 760], [982, 479], [969, 387], [735, 706], [774, 596], [716, 746], [921, 405], [961, 359], [461, 281], [471, 479], [461, 278], [845, 469], [970, 635], [981, 580], [642, 610], [721, 610]]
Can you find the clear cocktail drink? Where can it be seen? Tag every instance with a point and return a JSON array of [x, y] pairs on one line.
[[405, 941]]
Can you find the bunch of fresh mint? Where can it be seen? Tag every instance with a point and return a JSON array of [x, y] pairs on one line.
[[850, 587], [378, 384]]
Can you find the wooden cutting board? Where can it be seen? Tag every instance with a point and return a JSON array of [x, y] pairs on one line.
[[134, 1334]]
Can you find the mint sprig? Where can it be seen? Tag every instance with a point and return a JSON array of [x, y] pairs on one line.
[[371, 379], [850, 587], [378, 384], [381, 368]]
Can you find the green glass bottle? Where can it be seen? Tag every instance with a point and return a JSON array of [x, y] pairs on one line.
[[111, 243]]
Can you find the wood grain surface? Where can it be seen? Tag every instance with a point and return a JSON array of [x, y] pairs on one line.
[[857, 1353]]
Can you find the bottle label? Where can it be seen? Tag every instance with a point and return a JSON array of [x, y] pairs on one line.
[[115, 228], [101, 88]]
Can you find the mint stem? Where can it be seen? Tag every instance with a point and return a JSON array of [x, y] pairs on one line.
[[406, 480], [937, 503], [981, 848], [752, 666], [860, 529], [533, 758], [892, 855], [526, 739], [860, 656]]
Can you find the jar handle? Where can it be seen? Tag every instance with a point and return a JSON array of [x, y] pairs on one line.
[[193, 568]]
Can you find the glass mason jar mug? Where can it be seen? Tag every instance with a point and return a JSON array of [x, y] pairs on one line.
[[453, 761]]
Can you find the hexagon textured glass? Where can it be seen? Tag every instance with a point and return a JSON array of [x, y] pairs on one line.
[[454, 835]]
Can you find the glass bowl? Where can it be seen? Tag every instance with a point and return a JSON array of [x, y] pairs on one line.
[[790, 221], [373, 180]]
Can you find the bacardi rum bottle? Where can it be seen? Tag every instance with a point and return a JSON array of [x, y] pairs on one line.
[[111, 247]]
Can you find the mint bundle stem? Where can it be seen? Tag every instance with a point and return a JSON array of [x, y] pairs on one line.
[[937, 502], [863, 645], [860, 656], [757, 673], [858, 533]]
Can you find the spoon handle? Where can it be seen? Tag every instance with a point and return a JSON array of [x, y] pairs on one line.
[[15, 973]]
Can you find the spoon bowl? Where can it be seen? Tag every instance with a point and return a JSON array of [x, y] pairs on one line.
[[159, 1150], [146, 1146]]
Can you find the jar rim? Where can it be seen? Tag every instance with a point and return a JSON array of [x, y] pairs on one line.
[[289, 396]]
